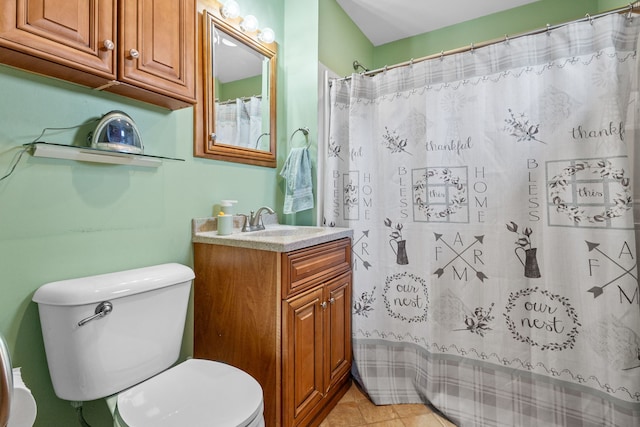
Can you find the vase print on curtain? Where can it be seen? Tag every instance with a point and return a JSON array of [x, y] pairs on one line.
[[523, 244], [397, 243], [532, 323]]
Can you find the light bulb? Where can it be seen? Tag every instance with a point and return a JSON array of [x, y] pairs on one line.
[[267, 35], [230, 9], [249, 23]]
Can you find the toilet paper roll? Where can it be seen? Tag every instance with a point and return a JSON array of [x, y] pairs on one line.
[[23, 405]]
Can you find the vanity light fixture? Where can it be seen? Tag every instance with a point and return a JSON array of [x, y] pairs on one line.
[[249, 24], [230, 9], [267, 35]]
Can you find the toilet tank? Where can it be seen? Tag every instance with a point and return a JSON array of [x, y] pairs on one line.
[[139, 338]]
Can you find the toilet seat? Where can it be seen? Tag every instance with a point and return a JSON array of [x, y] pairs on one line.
[[194, 393]]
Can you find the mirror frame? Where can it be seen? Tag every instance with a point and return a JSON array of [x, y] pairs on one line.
[[204, 113]]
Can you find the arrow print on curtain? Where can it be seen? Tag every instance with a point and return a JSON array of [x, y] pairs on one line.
[[599, 290], [478, 239], [365, 263]]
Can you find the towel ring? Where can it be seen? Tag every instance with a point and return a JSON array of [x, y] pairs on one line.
[[260, 137], [305, 131]]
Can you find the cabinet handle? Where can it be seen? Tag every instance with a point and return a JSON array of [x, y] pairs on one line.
[[108, 45], [332, 300], [134, 53], [324, 304]]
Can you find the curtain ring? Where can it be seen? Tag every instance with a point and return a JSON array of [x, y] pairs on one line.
[[385, 69], [590, 18], [411, 62], [472, 48], [548, 29], [630, 11], [506, 39], [442, 55]]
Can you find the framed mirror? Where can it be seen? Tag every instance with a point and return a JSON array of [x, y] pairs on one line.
[[238, 96]]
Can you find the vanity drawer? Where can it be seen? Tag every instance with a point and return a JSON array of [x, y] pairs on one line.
[[306, 267]]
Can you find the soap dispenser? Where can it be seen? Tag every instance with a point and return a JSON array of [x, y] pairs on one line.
[[226, 206]]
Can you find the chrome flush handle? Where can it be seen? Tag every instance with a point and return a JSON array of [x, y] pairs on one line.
[[102, 310]]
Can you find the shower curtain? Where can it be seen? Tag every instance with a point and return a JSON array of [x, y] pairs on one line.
[[239, 122], [490, 194]]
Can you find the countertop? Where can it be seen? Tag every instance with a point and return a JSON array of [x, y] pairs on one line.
[[275, 237]]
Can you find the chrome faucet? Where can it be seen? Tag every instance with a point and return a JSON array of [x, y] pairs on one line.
[[253, 222]]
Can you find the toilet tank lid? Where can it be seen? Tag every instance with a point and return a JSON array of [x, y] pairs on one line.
[[102, 287]]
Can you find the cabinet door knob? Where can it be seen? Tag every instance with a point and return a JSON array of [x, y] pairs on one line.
[[108, 44], [324, 304], [133, 53], [332, 300]]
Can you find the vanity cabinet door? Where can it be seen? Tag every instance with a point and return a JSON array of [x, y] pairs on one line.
[[77, 34], [303, 359], [338, 330], [317, 339], [157, 49]]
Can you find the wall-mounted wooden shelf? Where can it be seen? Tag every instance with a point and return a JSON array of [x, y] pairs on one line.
[[94, 155]]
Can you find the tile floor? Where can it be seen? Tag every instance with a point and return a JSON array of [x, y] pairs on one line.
[[355, 410]]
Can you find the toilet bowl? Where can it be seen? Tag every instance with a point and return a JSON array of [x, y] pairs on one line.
[[117, 335], [194, 393]]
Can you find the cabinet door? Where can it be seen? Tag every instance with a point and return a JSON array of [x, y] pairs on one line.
[[157, 46], [78, 34], [338, 329], [303, 358]]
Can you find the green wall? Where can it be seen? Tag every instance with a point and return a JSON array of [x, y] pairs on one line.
[[62, 219], [300, 88], [341, 41], [240, 88], [514, 21]]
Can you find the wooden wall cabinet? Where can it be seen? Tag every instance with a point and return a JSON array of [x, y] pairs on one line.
[[141, 49], [285, 318]]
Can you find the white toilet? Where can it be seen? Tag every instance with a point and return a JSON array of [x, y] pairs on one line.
[[117, 335]]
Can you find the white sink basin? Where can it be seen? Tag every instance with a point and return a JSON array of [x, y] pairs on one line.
[[281, 231]]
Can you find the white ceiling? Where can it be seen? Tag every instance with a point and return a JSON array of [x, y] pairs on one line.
[[384, 21]]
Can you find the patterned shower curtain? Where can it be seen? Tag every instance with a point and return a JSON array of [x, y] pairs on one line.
[[490, 193], [239, 122]]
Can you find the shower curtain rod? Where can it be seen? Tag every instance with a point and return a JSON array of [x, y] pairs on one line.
[[631, 8], [234, 100]]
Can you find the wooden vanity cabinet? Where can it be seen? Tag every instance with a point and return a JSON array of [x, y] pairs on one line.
[[285, 318], [141, 49]]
